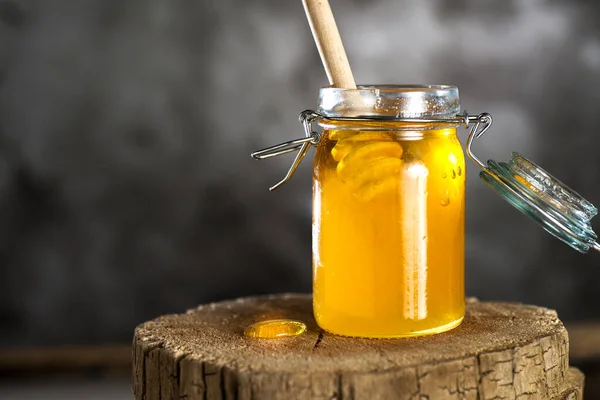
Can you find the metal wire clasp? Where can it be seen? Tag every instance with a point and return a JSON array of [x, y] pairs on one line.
[[301, 145], [479, 124]]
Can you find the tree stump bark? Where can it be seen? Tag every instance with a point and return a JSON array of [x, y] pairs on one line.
[[501, 351]]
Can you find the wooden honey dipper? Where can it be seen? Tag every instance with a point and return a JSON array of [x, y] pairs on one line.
[[329, 43]]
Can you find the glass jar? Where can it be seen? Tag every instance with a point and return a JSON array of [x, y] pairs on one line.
[[388, 212], [389, 206]]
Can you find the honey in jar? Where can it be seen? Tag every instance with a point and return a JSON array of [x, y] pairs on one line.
[[388, 212]]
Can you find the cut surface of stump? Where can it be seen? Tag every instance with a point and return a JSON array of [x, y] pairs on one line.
[[500, 351]]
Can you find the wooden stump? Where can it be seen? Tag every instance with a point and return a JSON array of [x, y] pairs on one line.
[[501, 351]]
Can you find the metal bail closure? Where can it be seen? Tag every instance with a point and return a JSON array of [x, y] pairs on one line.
[[301, 145], [557, 208]]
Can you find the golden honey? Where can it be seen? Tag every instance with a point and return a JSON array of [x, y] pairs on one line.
[[388, 230], [275, 329]]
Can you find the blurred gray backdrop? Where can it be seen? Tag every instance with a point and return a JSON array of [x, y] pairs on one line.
[[126, 185]]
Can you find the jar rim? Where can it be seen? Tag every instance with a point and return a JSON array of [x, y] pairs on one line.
[[390, 100], [393, 87]]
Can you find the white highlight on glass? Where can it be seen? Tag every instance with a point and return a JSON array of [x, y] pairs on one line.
[[414, 239], [452, 159], [316, 224]]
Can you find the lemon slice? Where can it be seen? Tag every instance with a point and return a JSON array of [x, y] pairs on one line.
[[375, 172], [352, 162], [342, 148], [376, 178]]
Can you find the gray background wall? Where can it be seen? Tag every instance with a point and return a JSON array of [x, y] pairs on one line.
[[126, 186]]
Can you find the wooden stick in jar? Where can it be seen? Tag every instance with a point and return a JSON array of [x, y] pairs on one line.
[[328, 40]]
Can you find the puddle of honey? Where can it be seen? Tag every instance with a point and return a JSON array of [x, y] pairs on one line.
[[274, 329]]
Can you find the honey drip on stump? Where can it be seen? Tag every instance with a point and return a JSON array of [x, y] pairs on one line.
[[275, 328]]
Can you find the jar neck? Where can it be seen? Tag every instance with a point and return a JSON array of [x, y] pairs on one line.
[[386, 134], [385, 125]]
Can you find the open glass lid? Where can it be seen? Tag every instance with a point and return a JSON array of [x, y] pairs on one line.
[[543, 198], [530, 189]]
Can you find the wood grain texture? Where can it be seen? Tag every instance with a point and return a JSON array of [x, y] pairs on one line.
[[501, 351]]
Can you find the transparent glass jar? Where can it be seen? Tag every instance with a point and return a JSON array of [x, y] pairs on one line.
[[388, 212], [389, 206]]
